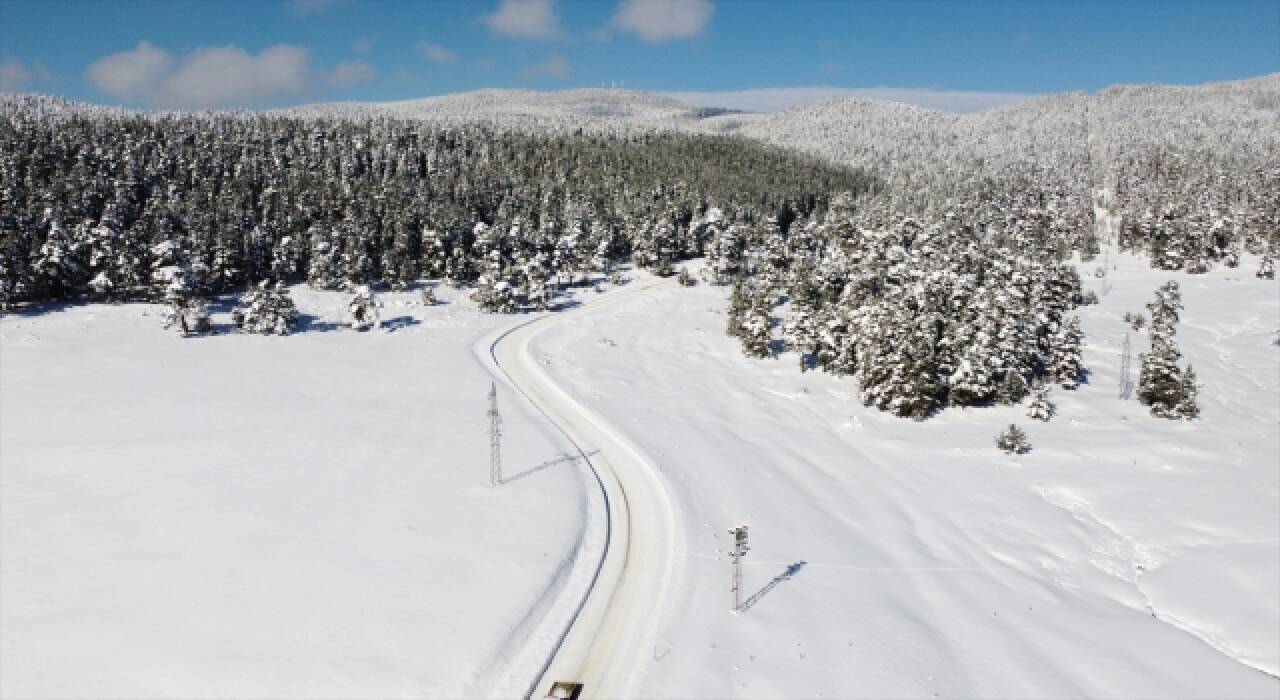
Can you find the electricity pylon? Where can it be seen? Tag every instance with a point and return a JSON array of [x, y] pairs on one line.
[[495, 437], [1126, 359]]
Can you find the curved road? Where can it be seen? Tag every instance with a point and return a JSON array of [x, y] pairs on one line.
[[614, 625]]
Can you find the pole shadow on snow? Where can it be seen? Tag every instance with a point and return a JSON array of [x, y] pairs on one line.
[[395, 324], [545, 465], [786, 574]]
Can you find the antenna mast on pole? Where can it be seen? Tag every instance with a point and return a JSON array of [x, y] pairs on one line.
[[495, 437], [740, 550]]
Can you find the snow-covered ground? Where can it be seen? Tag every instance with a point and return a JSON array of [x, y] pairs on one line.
[[1124, 556], [310, 515], [245, 516]]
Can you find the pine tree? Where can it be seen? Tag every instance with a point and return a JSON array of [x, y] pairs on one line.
[[1188, 407], [362, 310], [1266, 268], [1013, 440], [1041, 408], [267, 309], [757, 329], [739, 301], [59, 267], [1159, 379], [1065, 364], [185, 311]]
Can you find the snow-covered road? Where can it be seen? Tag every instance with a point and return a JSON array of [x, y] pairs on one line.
[[611, 628]]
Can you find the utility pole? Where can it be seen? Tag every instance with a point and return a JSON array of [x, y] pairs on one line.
[[495, 437], [740, 550], [1126, 359]]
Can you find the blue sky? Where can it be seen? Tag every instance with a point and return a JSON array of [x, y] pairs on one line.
[[231, 53]]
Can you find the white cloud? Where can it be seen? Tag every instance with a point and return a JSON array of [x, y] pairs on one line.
[[362, 45], [778, 99], [658, 21], [206, 77], [830, 67], [16, 74], [351, 73], [555, 66], [436, 53], [132, 75], [525, 19]]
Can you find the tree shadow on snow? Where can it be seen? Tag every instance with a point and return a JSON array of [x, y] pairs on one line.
[[786, 574], [308, 323]]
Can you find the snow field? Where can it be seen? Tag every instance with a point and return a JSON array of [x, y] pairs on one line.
[[301, 516], [1124, 556]]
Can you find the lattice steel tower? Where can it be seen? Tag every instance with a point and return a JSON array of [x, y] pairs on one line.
[[495, 437], [1126, 370]]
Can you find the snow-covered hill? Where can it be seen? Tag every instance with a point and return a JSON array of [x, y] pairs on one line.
[[1124, 556]]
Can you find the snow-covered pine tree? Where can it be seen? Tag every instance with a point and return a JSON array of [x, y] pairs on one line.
[[739, 301], [1013, 440], [1188, 407], [1065, 363], [362, 310], [1159, 379], [325, 268], [1041, 408], [186, 311], [757, 328], [266, 309], [1266, 268], [59, 268]]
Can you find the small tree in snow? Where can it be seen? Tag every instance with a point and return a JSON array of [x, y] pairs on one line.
[[1041, 408], [267, 310], [1013, 440], [1266, 268], [186, 312], [363, 309], [1188, 408]]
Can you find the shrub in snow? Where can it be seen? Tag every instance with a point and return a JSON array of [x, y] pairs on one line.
[[494, 295], [1266, 268], [1013, 440], [362, 311], [1041, 408], [685, 279], [429, 297], [267, 310]]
